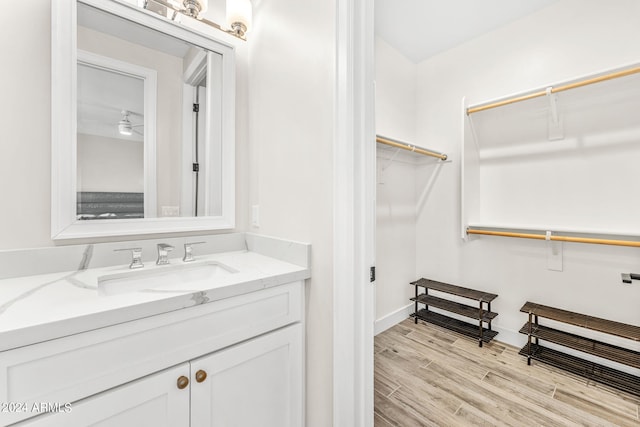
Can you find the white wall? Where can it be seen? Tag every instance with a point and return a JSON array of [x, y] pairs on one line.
[[568, 39], [395, 191], [395, 93], [110, 164], [25, 116], [291, 86]]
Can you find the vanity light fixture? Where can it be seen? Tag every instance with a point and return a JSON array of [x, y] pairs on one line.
[[238, 13], [239, 16]]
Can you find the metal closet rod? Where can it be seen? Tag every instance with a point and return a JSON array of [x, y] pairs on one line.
[[595, 241], [409, 147], [562, 88]]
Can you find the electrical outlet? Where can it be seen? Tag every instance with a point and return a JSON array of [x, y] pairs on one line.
[[170, 211]]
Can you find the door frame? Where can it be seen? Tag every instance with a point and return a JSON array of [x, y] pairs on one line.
[[354, 215]]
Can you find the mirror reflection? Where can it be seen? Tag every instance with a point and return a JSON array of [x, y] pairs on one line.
[[110, 153], [142, 131]]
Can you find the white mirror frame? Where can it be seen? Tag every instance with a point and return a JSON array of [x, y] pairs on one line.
[[220, 127]]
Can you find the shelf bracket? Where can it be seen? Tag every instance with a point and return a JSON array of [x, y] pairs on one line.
[[554, 253], [554, 121], [391, 160]]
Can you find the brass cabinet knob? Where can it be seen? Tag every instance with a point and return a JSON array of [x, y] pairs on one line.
[[183, 382], [201, 376]]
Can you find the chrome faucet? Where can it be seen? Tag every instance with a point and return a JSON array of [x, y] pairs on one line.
[[188, 251], [136, 257], [163, 253]]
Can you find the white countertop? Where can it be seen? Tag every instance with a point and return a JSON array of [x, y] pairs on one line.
[[46, 306]]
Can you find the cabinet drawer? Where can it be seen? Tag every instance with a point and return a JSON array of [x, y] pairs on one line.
[[71, 368]]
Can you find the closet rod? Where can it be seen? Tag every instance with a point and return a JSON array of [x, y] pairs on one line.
[[409, 147], [631, 243], [562, 88]]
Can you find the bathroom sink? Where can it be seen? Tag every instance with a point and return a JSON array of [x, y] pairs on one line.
[[165, 277]]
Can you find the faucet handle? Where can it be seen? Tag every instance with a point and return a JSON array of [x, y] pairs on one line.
[[163, 253], [136, 256], [188, 251]]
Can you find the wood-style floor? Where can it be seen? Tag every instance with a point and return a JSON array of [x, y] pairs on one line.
[[429, 376]]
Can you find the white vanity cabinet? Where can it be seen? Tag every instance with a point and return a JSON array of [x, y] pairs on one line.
[[235, 361], [257, 383]]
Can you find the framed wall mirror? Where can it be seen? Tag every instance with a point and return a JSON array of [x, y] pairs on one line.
[[143, 123]]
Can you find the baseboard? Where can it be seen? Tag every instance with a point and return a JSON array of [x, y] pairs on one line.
[[513, 338], [392, 319]]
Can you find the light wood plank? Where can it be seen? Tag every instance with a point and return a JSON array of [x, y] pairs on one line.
[[492, 349], [383, 383], [395, 366], [463, 362], [378, 421], [396, 413], [470, 416], [410, 381], [433, 409], [446, 379], [431, 333], [407, 348], [495, 402], [378, 346], [604, 410], [545, 403], [607, 390]]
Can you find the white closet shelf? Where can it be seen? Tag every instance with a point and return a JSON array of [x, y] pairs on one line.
[[565, 161]]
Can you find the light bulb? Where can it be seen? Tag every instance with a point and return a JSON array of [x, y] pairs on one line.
[[239, 16], [125, 128], [194, 8], [124, 125]]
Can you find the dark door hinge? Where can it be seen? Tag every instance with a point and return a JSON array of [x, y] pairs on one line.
[[372, 274], [196, 167], [196, 108]]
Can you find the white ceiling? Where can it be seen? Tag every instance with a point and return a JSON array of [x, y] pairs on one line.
[[421, 28], [127, 30]]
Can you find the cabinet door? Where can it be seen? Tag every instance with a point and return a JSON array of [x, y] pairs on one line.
[[256, 383], [153, 401]]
